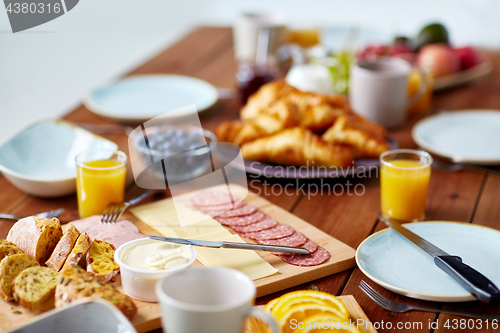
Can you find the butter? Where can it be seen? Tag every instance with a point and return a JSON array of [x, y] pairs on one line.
[[156, 255]]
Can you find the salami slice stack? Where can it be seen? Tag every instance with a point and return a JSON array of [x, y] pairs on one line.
[[250, 222]]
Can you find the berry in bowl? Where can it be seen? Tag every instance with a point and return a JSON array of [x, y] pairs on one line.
[[180, 154]]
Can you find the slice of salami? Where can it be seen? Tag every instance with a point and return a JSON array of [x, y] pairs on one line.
[[219, 208], [296, 239], [279, 231], [309, 245], [267, 223], [312, 259], [211, 199], [241, 211], [242, 220]]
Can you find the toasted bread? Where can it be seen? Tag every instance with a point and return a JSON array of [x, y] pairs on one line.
[[34, 285], [100, 260], [63, 248], [81, 247], [37, 236], [10, 267], [76, 283], [8, 248]]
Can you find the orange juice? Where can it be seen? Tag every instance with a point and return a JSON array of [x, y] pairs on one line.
[[403, 189], [98, 184]]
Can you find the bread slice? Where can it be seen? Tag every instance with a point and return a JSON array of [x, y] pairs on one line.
[[81, 247], [63, 248], [10, 267], [75, 284], [37, 236], [101, 261], [8, 248], [35, 285]]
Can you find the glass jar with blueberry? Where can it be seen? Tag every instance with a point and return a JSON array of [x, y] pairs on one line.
[[179, 154]]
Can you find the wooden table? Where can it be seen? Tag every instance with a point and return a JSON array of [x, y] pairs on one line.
[[207, 53]]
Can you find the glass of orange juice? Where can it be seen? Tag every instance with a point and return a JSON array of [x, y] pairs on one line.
[[100, 180], [404, 180]]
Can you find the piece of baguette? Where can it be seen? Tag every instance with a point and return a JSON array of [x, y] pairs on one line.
[[10, 267], [101, 261], [35, 285], [75, 284], [81, 247], [8, 248], [37, 236], [63, 248]]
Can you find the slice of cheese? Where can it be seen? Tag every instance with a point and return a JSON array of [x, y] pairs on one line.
[[163, 216], [246, 261]]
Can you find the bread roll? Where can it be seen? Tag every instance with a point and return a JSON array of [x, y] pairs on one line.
[[37, 236]]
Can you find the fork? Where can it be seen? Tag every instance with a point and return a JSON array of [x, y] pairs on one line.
[[114, 210], [50, 214], [404, 307]]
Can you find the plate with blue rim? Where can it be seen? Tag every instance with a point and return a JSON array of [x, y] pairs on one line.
[[465, 136], [393, 262], [139, 98]]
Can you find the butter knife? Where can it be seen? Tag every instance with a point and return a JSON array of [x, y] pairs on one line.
[[474, 282], [232, 245]]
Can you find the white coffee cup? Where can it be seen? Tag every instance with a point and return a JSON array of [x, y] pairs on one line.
[[208, 300], [378, 90]]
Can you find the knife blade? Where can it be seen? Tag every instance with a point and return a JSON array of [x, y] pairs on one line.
[[232, 245], [474, 282]]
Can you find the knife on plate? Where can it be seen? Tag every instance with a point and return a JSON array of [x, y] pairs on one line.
[[474, 282], [232, 245]]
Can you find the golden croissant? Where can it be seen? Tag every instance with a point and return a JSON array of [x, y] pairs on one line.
[[292, 107], [299, 147], [368, 139]]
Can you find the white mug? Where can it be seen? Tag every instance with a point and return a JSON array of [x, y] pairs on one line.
[[378, 90], [208, 300]]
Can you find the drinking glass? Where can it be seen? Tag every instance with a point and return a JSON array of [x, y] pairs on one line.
[[404, 180], [100, 180]]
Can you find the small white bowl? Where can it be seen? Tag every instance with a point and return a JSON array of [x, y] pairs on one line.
[[140, 283], [40, 160]]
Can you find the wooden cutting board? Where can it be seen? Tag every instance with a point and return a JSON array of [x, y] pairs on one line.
[[148, 316]]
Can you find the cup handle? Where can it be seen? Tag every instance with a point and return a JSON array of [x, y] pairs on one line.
[[422, 89], [258, 313]]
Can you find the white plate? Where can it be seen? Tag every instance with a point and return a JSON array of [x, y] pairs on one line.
[[142, 97], [468, 136], [461, 77], [40, 160], [393, 262]]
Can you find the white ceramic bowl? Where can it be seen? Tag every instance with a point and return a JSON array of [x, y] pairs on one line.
[[140, 283], [85, 316], [40, 160]]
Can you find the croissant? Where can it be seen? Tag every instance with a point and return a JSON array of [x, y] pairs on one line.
[[368, 139], [293, 107], [299, 147]]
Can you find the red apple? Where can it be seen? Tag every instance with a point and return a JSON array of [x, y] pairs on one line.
[[440, 57], [468, 56]]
